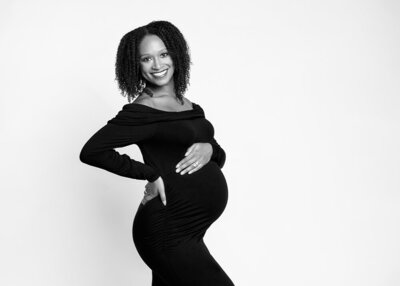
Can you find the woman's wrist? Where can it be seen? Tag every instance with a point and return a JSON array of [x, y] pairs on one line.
[[153, 179]]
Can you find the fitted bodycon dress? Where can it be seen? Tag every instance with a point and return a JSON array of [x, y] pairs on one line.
[[168, 238]]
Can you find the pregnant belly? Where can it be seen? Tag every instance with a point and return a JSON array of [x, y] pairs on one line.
[[206, 189], [194, 202]]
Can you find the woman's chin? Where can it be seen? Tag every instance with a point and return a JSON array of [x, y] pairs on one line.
[[159, 82]]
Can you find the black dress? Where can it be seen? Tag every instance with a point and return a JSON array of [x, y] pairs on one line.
[[168, 238]]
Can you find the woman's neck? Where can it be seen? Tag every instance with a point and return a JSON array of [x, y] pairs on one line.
[[161, 91]]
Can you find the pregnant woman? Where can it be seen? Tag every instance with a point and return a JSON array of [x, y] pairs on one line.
[[186, 190]]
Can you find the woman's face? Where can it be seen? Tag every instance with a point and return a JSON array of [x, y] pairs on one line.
[[155, 62]]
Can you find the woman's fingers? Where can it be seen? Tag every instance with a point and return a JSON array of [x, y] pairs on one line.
[[188, 151], [152, 190], [191, 166], [147, 197], [186, 162], [161, 190], [195, 169], [183, 163], [197, 154], [162, 196]]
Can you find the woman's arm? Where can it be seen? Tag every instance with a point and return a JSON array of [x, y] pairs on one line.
[[218, 154], [99, 151]]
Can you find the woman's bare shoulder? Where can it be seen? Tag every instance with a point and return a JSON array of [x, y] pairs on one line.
[[188, 102]]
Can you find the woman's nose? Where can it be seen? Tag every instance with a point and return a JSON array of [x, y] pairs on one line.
[[156, 64]]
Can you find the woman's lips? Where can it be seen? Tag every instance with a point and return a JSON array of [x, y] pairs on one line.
[[160, 74]]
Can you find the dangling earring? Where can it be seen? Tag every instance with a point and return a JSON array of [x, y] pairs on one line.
[[142, 86]]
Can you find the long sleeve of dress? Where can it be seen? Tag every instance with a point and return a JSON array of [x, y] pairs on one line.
[[99, 151], [218, 154]]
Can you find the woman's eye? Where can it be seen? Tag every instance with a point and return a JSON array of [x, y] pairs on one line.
[[164, 54], [145, 59]]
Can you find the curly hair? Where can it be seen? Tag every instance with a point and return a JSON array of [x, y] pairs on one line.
[[127, 66]]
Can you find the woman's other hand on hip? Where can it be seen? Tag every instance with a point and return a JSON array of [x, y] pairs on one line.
[[153, 189]]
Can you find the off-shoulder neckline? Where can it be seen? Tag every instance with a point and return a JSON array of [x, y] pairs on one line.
[[194, 105]]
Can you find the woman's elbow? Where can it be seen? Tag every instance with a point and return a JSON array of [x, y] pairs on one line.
[[85, 156], [222, 160]]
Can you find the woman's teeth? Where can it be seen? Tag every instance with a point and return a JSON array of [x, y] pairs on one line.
[[160, 74]]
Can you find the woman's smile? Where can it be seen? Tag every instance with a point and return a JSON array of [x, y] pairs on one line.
[[160, 74]]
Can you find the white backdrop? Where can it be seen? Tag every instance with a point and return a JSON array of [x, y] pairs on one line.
[[304, 98]]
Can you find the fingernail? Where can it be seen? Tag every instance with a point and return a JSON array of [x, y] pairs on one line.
[[165, 203], [177, 170]]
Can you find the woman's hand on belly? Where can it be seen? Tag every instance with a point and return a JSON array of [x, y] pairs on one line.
[[153, 189], [197, 155]]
